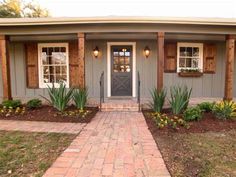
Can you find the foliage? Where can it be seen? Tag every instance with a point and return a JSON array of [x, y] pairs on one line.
[[59, 97], [34, 103], [158, 99], [162, 120], [206, 106], [77, 113], [225, 109], [193, 113], [179, 98], [80, 97], [19, 9], [191, 70], [13, 104], [10, 111]]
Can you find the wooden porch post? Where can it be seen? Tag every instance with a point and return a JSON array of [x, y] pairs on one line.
[[229, 71], [160, 61], [81, 59], [5, 64]]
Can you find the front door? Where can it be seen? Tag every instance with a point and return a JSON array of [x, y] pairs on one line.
[[121, 71]]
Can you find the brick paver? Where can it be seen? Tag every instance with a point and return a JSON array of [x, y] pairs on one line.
[[33, 126], [114, 144]]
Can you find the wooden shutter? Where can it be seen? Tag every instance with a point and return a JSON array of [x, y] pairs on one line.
[[74, 64], [170, 62], [32, 76], [209, 58]]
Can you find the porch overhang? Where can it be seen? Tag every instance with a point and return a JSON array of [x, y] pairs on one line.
[[116, 24]]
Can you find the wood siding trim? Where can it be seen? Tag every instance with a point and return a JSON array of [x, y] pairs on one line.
[[229, 72], [5, 64], [160, 61], [81, 59]]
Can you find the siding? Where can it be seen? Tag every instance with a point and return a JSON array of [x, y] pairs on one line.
[[210, 85]]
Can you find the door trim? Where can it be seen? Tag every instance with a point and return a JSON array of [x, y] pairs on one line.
[[109, 44]]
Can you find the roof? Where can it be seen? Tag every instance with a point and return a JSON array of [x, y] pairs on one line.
[[116, 20]]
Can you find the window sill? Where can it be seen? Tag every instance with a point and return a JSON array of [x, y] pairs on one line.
[[190, 74]]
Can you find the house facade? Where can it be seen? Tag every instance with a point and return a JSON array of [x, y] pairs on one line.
[[158, 52]]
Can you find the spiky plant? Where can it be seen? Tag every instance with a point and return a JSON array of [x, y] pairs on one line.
[[158, 99], [80, 98], [59, 97], [179, 98]]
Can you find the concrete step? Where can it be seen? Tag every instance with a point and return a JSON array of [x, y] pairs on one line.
[[120, 105]]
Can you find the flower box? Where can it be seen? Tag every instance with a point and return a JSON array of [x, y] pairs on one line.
[[190, 74]]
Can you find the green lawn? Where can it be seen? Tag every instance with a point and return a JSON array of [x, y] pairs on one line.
[[211, 154], [30, 154]]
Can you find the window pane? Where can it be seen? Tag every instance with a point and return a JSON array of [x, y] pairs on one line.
[[195, 63], [122, 60], [121, 53], [182, 62], [60, 78], [189, 51], [63, 49], [46, 78], [182, 51], [52, 78], [45, 70], [57, 69], [127, 53], [127, 68], [63, 70], [195, 51], [127, 60], [188, 62], [116, 60], [115, 54]]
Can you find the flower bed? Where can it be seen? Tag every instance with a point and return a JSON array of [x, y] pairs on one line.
[[49, 114]]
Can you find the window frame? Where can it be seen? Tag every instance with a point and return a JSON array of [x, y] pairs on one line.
[[40, 64], [188, 44]]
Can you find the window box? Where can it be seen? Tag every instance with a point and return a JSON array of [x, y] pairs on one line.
[[190, 74]]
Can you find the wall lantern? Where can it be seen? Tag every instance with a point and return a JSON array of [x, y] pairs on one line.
[[95, 51], [146, 51]]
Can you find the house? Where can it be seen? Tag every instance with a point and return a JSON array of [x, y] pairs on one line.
[[197, 52]]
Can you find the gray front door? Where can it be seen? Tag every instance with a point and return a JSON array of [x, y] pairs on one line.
[[121, 71]]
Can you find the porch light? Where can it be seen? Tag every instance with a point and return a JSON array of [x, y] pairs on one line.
[[146, 51], [95, 51]]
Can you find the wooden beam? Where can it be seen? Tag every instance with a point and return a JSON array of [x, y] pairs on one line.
[[160, 59], [81, 58], [5, 64], [229, 71]]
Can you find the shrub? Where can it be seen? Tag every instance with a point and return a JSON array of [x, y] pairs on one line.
[[206, 106], [225, 109], [34, 103], [80, 98], [179, 99], [158, 99], [59, 97], [11, 104], [193, 113]]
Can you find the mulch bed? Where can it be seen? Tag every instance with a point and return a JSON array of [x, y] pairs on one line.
[[50, 114], [208, 123], [180, 158]]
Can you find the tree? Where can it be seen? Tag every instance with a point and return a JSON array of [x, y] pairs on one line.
[[19, 9]]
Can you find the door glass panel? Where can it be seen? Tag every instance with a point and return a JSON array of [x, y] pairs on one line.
[[121, 59]]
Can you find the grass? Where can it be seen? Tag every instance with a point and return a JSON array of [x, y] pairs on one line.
[[30, 154], [211, 154]]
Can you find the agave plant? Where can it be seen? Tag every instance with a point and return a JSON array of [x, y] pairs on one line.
[[59, 97], [158, 99], [80, 97], [179, 98]]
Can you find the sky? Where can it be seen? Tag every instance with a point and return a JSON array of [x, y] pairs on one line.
[[168, 8]]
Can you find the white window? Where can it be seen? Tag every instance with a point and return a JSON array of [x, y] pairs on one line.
[[190, 56], [53, 64]]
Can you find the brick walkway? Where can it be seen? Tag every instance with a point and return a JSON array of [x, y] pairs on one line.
[[33, 126], [113, 144]]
